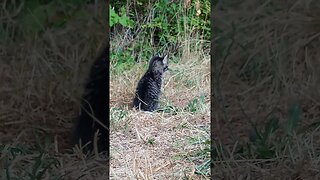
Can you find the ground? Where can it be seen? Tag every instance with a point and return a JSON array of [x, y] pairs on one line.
[[162, 145]]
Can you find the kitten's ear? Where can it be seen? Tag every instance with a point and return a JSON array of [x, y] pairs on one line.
[[165, 60]]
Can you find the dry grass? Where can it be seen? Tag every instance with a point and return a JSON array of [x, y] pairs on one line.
[[272, 65], [41, 83], [161, 145]]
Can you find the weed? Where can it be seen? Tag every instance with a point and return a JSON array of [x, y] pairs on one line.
[[150, 141], [167, 107], [163, 24], [123, 19], [197, 104], [294, 115], [201, 155], [183, 125], [38, 162], [118, 117]]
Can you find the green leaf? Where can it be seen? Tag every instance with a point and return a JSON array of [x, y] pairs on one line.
[[123, 21], [31, 4], [33, 21], [294, 113], [270, 127], [114, 18]]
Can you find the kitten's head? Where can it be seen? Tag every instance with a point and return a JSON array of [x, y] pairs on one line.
[[158, 64]]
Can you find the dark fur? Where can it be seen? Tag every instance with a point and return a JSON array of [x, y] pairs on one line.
[[149, 87], [94, 103]]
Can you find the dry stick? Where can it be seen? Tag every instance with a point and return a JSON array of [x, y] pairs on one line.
[[141, 100], [250, 160], [93, 117], [95, 144], [135, 34]]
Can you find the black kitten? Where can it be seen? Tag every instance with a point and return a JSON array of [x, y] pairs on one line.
[[149, 87], [94, 110]]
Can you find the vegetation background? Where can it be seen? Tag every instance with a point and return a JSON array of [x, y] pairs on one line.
[[175, 142], [46, 49], [266, 86]]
